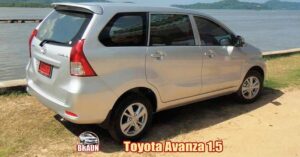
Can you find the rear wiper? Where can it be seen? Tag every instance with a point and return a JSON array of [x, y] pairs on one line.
[[50, 41]]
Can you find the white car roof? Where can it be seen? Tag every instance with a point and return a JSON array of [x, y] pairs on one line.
[[99, 8]]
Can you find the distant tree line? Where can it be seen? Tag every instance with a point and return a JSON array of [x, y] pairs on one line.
[[23, 4], [38, 3], [236, 4]]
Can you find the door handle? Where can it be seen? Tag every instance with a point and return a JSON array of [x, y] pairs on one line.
[[159, 55], [210, 54]]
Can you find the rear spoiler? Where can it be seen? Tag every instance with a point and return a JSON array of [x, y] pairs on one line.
[[82, 7]]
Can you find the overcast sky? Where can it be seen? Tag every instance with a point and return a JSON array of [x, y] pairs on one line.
[[169, 2]]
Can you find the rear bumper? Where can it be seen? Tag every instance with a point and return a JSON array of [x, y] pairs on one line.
[[91, 106]]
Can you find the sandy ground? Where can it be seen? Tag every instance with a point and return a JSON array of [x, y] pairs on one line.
[[269, 127]]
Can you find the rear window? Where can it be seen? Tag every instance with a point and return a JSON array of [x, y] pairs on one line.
[[65, 27]]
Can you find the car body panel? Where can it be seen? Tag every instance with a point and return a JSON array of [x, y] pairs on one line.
[[221, 67], [177, 75]]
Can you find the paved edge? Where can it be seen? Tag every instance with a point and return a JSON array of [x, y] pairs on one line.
[[13, 83], [22, 82], [281, 52]]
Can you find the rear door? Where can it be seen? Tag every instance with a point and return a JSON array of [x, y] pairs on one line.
[[222, 61], [173, 62], [52, 46]]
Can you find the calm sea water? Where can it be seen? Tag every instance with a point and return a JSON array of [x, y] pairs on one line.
[[268, 30]]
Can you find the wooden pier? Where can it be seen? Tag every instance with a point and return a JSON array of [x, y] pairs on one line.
[[20, 20]]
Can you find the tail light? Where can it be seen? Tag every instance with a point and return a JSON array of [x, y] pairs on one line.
[[33, 34], [79, 65]]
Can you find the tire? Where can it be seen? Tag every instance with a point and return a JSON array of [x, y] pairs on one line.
[[256, 91], [121, 115]]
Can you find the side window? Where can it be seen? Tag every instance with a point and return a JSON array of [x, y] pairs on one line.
[[125, 29], [212, 34], [169, 30]]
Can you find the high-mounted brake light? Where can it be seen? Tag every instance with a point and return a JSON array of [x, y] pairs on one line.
[[79, 65], [33, 34]]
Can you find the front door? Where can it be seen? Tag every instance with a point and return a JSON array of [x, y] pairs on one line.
[[222, 62]]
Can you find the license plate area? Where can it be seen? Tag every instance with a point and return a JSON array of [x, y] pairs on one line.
[[45, 69]]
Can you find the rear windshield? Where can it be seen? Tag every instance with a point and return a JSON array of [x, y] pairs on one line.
[[64, 26]]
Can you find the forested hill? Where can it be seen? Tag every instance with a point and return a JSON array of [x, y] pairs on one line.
[[236, 4], [222, 4], [38, 3]]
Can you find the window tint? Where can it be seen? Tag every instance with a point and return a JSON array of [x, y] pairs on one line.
[[126, 29], [167, 29], [212, 34], [64, 26]]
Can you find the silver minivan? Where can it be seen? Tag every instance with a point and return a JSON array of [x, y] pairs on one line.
[[117, 64]]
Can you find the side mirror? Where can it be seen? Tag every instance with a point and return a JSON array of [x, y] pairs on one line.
[[239, 41], [225, 42]]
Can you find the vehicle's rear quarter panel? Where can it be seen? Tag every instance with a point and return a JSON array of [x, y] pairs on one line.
[[121, 68]]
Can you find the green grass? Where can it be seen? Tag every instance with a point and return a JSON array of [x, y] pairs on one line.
[[283, 71], [13, 92]]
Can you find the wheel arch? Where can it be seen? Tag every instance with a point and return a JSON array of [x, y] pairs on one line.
[[258, 69], [147, 92]]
